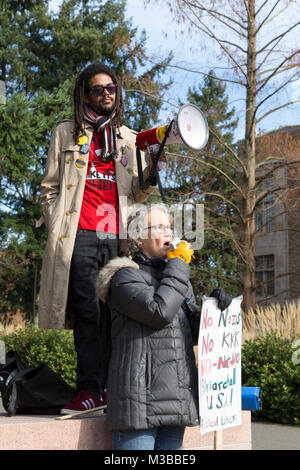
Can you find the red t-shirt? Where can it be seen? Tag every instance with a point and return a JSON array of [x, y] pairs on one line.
[[100, 204]]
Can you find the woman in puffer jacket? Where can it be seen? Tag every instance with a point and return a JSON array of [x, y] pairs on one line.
[[152, 388]]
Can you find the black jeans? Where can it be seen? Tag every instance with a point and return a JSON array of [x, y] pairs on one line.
[[92, 318]]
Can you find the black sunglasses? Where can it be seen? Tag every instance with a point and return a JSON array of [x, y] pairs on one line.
[[98, 90]]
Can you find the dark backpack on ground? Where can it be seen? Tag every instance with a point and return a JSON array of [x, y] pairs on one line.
[[31, 390]]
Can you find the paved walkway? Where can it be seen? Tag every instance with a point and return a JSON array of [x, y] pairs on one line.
[[269, 436]]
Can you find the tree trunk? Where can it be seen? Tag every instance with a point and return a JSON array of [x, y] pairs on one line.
[[248, 272]]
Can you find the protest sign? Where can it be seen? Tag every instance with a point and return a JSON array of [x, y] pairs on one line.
[[219, 365]]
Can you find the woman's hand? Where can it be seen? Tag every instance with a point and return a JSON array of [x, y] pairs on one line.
[[223, 299], [183, 251]]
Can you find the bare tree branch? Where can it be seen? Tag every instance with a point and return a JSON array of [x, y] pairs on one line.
[[187, 69], [210, 165], [276, 109], [283, 85], [261, 7], [275, 71], [209, 32], [216, 14], [266, 17], [280, 36], [233, 153]]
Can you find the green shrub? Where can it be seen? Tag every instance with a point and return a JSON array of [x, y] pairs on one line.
[[267, 363], [52, 347]]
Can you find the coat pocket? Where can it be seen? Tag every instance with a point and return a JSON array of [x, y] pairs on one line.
[[51, 214]]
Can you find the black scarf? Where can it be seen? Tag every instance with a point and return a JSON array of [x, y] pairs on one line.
[[103, 126]]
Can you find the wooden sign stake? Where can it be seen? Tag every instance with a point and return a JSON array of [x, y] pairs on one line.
[[218, 440]]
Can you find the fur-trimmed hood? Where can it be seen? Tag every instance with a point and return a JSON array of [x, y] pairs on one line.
[[108, 271]]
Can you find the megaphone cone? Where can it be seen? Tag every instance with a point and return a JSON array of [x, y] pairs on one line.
[[188, 127]]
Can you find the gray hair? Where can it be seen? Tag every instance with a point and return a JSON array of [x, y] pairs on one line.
[[136, 225]]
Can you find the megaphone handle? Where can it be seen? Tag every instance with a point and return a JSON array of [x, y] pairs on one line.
[[140, 168], [158, 178], [157, 156], [144, 184]]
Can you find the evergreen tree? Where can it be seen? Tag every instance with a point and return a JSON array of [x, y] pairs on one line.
[[40, 56], [25, 129]]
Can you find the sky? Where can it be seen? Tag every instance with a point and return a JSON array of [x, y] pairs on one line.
[[163, 35]]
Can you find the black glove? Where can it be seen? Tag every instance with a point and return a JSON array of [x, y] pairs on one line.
[[224, 300], [194, 314]]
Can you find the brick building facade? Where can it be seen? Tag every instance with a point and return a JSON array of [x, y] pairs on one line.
[[277, 217]]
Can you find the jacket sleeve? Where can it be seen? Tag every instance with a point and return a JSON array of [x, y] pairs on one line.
[[193, 312], [130, 294], [140, 195], [50, 186]]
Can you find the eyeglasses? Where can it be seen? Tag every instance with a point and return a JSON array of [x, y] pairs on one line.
[[98, 90], [161, 228]]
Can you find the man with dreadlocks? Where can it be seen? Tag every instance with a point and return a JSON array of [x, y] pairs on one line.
[[90, 172]]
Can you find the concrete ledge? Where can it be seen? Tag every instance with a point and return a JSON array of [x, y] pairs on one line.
[[91, 433]]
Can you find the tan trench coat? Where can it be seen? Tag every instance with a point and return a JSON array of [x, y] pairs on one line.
[[61, 193]]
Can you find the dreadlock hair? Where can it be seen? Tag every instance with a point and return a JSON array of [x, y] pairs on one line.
[[81, 86]]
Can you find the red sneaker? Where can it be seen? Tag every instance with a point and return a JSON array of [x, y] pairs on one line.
[[84, 401]]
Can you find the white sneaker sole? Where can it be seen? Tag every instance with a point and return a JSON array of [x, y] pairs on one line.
[[98, 411]]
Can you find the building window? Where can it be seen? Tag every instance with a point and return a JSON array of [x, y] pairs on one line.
[[269, 210], [258, 218], [264, 214], [264, 275]]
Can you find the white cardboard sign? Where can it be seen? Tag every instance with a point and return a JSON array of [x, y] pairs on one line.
[[219, 365]]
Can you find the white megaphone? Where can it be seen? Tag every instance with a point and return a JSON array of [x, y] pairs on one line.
[[188, 127]]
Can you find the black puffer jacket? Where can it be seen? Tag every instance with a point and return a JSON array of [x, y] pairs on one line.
[[152, 373]]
